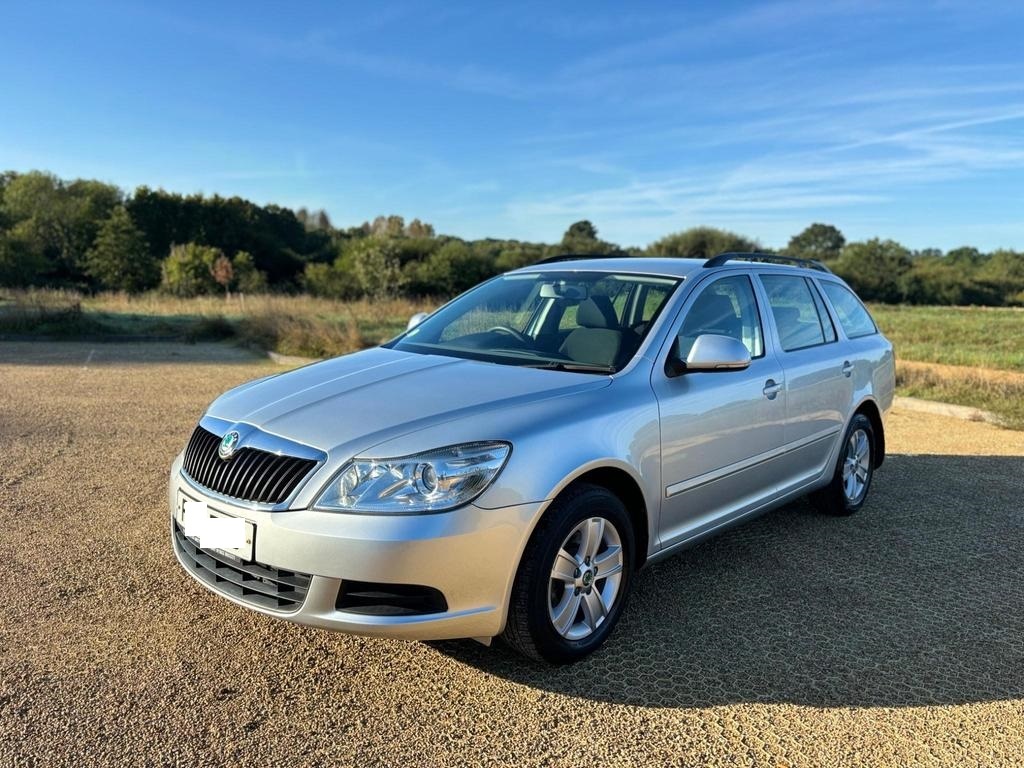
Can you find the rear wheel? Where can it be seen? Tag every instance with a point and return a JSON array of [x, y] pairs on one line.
[[854, 471], [574, 578]]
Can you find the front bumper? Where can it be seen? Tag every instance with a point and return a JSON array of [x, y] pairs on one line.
[[470, 555]]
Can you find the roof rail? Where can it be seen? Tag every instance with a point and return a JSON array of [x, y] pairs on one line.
[[581, 256], [770, 258]]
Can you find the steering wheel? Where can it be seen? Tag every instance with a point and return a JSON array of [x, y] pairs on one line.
[[511, 332]]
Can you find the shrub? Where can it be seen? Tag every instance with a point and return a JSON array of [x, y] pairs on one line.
[[188, 270], [701, 243], [453, 269]]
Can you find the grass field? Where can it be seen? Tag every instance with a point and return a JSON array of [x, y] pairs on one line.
[[983, 343], [982, 337], [963, 355]]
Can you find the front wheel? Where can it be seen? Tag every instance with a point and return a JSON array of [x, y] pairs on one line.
[[574, 578], [846, 493]]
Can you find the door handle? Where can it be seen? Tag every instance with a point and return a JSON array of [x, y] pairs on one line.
[[847, 368], [771, 389]]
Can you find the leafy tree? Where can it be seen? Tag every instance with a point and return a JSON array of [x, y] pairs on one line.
[[329, 281], [119, 258], [875, 269], [188, 270], [375, 268], [937, 280], [417, 228], [57, 221], [279, 243], [1003, 271], [701, 243], [965, 257], [516, 255], [581, 237], [20, 265], [451, 270], [247, 279], [387, 226], [223, 272], [822, 242]]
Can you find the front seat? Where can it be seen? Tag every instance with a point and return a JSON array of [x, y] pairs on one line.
[[598, 339]]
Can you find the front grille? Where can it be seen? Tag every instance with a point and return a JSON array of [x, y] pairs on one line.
[[249, 475], [260, 585]]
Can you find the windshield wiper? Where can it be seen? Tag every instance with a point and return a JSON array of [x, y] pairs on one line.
[[568, 365]]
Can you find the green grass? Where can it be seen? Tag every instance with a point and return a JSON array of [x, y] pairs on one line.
[[979, 337]]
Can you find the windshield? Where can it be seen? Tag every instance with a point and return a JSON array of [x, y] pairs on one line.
[[590, 322]]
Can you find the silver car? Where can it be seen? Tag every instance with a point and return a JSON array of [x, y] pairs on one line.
[[505, 466]]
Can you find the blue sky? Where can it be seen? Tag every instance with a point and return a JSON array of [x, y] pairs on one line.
[[891, 119]]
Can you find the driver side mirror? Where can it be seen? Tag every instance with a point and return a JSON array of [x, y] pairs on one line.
[[710, 352], [416, 319]]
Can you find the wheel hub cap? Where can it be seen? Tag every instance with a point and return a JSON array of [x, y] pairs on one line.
[[585, 578], [856, 465]]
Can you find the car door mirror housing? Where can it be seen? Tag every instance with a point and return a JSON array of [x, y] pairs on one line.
[[416, 319], [710, 352]]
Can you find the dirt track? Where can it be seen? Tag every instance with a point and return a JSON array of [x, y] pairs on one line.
[[891, 638]]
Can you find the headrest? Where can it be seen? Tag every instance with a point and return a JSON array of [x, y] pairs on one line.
[[786, 316], [597, 312], [711, 309]]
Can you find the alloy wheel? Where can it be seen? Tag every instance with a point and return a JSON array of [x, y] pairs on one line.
[[585, 578]]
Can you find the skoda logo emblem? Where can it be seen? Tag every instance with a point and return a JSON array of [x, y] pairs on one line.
[[228, 443]]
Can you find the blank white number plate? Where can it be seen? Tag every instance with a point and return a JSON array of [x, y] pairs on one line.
[[226, 534]]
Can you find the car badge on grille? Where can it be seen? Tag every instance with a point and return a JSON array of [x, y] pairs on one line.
[[228, 443]]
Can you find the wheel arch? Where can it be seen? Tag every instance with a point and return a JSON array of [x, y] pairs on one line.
[[625, 486], [868, 407]]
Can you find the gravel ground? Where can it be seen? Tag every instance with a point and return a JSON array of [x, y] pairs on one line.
[[895, 637]]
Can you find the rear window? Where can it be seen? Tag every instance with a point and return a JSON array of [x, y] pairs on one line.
[[851, 313], [796, 315]]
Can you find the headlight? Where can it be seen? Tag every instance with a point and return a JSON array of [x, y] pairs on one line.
[[433, 481]]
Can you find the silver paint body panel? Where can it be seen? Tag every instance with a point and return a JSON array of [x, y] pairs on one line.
[[705, 449]]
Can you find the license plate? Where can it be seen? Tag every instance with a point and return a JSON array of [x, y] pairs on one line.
[[226, 535]]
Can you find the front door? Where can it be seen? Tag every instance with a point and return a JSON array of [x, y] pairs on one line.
[[720, 431]]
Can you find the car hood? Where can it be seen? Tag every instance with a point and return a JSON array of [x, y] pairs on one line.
[[349, 404]]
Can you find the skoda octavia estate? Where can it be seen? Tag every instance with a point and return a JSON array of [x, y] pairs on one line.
[[505, 466]]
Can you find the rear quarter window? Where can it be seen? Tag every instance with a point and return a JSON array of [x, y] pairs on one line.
[[852, 315]]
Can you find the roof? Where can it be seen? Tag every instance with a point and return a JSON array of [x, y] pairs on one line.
[[664, 266]]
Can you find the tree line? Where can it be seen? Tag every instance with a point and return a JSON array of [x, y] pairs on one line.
[[90, 236]]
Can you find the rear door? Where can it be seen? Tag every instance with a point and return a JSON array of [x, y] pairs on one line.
[[720, 431], [819, 388]]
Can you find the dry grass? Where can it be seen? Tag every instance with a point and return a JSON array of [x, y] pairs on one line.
[[1001, 392], [295, 325], [315, 327]]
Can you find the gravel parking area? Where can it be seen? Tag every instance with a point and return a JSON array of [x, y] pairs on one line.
[[895, 637]]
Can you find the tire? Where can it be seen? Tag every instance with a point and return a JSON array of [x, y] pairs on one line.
[[844, 495], [539, 595]]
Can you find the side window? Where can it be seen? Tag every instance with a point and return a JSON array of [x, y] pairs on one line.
[[796, 315], [823, 316], [726, 307], [851, 313], [653, 298]]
